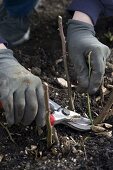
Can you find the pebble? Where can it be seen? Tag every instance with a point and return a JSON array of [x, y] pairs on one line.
[[21, 152], [36, 71], [19, 166], [58, 165], [74, 150], [44, 158], [80, 152], [73, 160]]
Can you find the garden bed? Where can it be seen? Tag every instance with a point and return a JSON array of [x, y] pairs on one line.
[[42, 54]]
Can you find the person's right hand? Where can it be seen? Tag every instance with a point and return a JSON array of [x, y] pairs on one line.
[[21, 93], [81, 40]]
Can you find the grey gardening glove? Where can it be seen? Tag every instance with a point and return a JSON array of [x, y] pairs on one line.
[[21, 92], [81, 40]]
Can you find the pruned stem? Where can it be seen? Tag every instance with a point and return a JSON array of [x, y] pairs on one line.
[[55, 136], [88, 97], [71, 105], [49, 127], [105, 112]]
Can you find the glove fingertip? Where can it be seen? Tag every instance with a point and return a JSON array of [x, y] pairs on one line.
[[92, 91], [83, 83], [40, 123]]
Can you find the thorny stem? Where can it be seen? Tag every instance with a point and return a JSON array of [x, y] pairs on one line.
[[88, 96], [49, 127], [71, 105]]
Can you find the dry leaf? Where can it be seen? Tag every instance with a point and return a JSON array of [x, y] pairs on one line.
[[97, 128], [33, 147], [54, 151], [65, 144], [107, 134], [1, 158], [105, 91], [107, 125], [59, 61], [98, 98], [109, 86], [63, 82], [40, 153]]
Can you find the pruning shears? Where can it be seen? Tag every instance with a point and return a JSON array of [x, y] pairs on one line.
[[60, 115]]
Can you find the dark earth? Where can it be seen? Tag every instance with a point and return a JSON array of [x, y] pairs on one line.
[[41, 54]]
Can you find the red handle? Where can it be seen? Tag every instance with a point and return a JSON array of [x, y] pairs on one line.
[[52, 119]]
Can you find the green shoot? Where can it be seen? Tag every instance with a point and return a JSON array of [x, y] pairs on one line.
[[88, 96]]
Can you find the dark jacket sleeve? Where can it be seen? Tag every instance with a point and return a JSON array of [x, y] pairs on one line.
[[93, 8], [3, 41]]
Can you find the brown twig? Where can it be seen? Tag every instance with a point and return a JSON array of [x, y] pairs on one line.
[[55, 137], [101, 92], [7, 130], [105, 112], [71, 105], [49, 127]]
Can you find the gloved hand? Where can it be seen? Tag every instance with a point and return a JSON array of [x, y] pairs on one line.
[[81, 40], [21, 92]]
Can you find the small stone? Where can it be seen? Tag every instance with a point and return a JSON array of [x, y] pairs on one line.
[[58, 165], [19, 166], [44, 158], [21, 152], [49, 161], [74, 160], [33, 147], [74, 150], [80, 152]]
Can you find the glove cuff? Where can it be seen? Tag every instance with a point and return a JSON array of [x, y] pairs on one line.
[[79, 25], [6, 54]]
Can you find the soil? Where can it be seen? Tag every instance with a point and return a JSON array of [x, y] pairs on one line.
[[42, 55]]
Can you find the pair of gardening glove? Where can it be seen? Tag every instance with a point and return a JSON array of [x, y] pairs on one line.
[[81, 43], [21, 93]]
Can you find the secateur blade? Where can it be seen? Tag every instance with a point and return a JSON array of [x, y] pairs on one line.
[[67, 117], [81, 124]]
